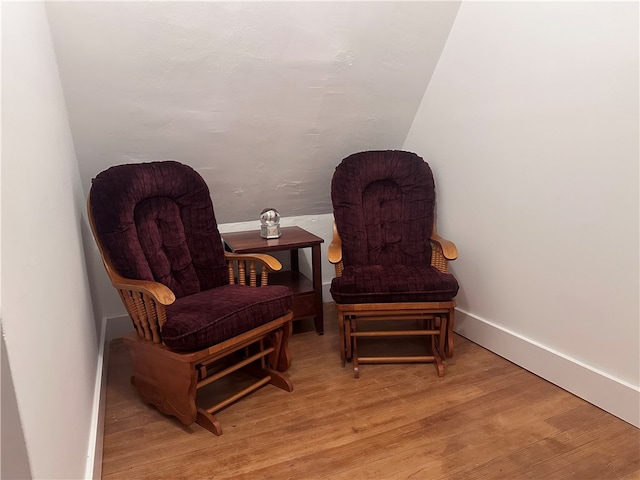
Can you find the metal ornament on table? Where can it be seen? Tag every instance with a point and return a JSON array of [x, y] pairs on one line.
[[270, 223]]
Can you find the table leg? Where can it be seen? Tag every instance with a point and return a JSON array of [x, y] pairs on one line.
[[317, 287]]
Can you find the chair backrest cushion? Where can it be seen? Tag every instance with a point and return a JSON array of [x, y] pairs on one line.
[[383, 205], [155, 221]]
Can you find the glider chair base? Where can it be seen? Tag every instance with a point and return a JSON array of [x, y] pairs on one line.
[[434, 320], [170, 380]]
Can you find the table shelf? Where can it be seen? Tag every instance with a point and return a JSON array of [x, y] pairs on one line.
[[296, 281]]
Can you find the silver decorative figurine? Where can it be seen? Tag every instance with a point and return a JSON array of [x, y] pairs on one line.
[[270, 223]]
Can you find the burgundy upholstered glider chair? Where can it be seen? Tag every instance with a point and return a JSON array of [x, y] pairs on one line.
[[391, 265], [199, 313]]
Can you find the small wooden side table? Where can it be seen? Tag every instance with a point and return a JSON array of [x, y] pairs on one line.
[[307, 294]]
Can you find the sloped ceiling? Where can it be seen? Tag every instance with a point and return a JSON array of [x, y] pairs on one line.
[[263, 99]]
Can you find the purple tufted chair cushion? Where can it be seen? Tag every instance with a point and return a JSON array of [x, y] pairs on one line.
[[383, 205], [155, 221]]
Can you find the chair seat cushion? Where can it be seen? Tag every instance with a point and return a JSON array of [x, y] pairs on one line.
[[206, 318], [390, 284]]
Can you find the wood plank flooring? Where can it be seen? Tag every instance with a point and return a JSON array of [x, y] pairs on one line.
[[486, 419]]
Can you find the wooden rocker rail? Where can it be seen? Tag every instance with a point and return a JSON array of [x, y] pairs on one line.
[[174, 390], [434, 330]]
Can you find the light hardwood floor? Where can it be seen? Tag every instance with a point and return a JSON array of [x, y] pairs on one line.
[[486, 419]]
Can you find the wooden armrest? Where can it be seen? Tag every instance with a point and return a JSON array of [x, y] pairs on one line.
[[449, 249], [271, 263], [335, 247], [159, 292]]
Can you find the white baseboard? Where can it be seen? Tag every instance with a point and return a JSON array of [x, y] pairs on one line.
[[599, 388], [111, 328], [93, 467]]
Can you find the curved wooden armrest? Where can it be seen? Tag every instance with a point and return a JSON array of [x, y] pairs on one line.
[[271, 263], [449, 250], [159, 292], [335, 247]]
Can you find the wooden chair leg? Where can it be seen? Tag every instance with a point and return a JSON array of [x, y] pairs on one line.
[[284, 358], [442, 336], [450, 323], [341, 345], [275, 339], [354, 349], [208, 422], [347, 339], [437, 359]]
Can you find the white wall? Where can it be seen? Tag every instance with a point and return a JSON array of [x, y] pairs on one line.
[[262, 98], [46, 312], [14, 463], [530, 123]]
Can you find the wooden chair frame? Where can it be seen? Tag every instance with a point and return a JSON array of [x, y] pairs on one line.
[[170, 380], [437, 318]]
